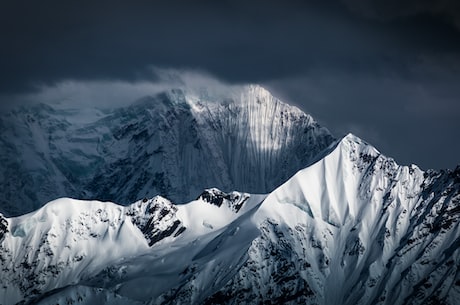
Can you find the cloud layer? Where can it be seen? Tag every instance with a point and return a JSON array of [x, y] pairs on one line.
[[398, 9], [50, 41], [386, 70]]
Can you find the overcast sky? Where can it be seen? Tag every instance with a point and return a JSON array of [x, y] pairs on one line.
[[388, 71]]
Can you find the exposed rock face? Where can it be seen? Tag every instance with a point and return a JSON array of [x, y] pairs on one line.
[[156, 218], [233, 200], [3, 227]]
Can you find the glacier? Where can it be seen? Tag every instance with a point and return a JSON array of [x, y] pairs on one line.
[[350, 227]]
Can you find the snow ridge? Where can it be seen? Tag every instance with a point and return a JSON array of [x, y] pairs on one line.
[[356, 228], [69, 241]]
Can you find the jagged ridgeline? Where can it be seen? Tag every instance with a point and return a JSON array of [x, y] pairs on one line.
[[173, 144], [339, 223], [352, 228]]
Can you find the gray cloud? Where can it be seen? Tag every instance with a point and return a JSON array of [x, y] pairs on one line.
[[116, 93], [414, 120], [48, 41], [397, 9]]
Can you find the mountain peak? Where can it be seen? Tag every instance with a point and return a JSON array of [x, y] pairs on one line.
[[353, 138], [327, 189], [237, 138], [352, 144], [351, 227], [258, 90]]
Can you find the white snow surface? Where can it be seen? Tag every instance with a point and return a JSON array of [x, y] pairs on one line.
[[352, 228]]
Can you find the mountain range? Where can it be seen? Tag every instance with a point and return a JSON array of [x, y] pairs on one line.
[[173, 143], [314, 220]]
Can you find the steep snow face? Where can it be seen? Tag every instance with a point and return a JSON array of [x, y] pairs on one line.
[[260, 140], [174, 144], [352, 228], [355, 228]]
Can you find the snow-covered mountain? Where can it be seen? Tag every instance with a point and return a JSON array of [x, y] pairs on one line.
[[353, 227], [174, 144]]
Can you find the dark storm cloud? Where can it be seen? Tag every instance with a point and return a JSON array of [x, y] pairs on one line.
[[396, 9], [47, 41], [386, 70]]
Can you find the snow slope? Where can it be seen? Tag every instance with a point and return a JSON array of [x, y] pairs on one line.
[[173, 144], [69, 242], [352, 228], [355, 228]]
